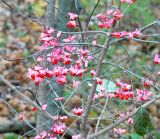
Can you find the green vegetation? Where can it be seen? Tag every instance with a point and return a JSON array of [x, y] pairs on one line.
[[141, 12]]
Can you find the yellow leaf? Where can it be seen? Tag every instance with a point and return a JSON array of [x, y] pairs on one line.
[[43, 4], [26, 39], [39, 9], [93, 114], [36, 27]]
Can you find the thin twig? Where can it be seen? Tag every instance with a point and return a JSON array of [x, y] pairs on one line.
[[131, 73], [42, 52], [79, 22], [141, 29], [89, 18], [92, 92]]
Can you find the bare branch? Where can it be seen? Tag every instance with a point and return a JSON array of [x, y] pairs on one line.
[[91, 14], [141, 29], [94, 85]]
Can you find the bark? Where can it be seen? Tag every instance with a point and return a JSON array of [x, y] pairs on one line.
[[50, 13], [44, 95], [66, 6]]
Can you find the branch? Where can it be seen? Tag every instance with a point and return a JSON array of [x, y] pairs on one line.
[[32, 93], [94, 85], [77, 12], [88, 32], [146, 41], [131, 73], [132, 113], [42, 52], [141, 29], [89, 18], [149, 25]]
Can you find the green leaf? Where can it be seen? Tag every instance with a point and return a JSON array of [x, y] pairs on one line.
[[108, 85], [150, 126], [26, 53], [2, 40], [143, 122], [140, 9], [67, 93], [11, 136], [93, 114], [135, 136], [21, 34], [38, 9]]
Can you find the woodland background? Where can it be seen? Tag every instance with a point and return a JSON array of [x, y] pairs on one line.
[[19, 38]]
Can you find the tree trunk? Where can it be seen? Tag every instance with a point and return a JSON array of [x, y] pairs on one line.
[[44, 95]]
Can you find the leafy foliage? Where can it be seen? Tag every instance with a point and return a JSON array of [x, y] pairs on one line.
[[143, 122], [108, 85], [155, 134], [11, 136], [140, 9], [135, 136]]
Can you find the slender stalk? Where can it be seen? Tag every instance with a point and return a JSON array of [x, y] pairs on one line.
[[94, 85], [91, 14]]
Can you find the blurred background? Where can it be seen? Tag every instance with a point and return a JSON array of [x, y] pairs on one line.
[[19, 37]]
